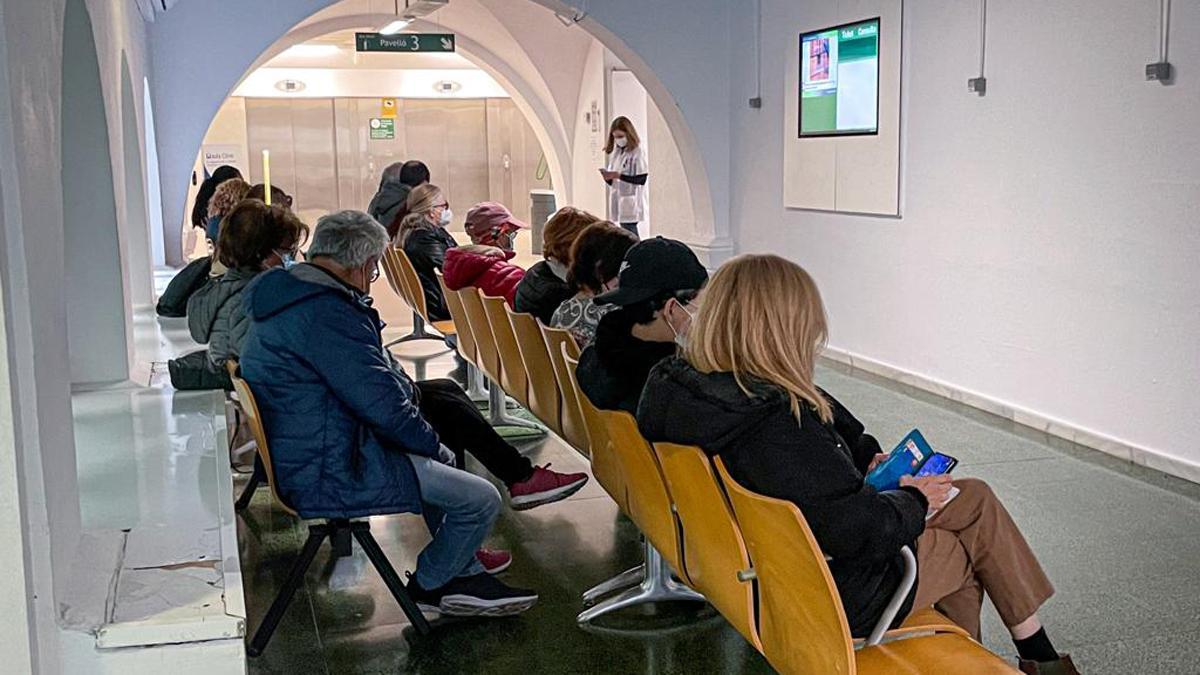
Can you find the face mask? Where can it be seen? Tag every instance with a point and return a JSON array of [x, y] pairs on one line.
[[681, 338], [621, 142], [559, 269], [286, 259], [447, 216]]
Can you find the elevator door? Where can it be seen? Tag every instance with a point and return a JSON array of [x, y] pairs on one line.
[[300, 135]]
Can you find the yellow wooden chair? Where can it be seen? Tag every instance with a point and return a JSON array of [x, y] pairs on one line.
[[606, 468], [467, 348], [513, 377], [489, 358], [717, 562], [801, 622], [410, 289], [544, 398], [651, 509], [338, 531], [573, 430], [399, 285]]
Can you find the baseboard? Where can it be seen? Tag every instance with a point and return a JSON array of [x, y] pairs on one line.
[[1086, 438]]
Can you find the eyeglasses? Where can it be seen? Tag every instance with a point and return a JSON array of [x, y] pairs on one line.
[[375, 274]]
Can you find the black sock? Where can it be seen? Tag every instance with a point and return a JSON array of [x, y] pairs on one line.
[[1036, 647]]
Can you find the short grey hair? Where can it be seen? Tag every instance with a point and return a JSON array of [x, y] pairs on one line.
[[349, 238], [391, 174]]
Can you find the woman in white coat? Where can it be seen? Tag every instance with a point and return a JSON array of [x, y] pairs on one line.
[[626, 174]]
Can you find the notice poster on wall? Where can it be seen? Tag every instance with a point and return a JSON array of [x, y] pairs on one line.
[[218, 155], [839, 80]]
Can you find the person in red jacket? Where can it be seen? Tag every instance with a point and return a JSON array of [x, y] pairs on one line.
[[484, 267]]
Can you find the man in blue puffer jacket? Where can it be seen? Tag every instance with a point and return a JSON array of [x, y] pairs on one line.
[[347, 437]]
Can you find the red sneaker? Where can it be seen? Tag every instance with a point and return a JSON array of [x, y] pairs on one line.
[[493, 561], [544, 487]]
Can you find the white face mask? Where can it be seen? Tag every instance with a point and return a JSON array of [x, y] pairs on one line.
[[681, 338], [447, 217], [620, 141], [559, 269]]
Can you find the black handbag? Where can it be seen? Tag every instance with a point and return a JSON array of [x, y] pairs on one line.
[[192, 372], [173, 302]]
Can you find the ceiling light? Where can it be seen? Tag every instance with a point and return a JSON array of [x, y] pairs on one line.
[[290, 86], [395, 26], [311, 50]]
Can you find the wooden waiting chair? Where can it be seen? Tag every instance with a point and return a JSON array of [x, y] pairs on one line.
[[402, 277], [467, 348], [513, 378], [561, 346], [489, 358], [544, 399], [802, 624], [338, 531], [714, 553], [605, 465]]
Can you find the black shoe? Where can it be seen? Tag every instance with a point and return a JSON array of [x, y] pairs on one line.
[[476, 595]]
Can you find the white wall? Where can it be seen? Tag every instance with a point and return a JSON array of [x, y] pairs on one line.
[[1047, 253]]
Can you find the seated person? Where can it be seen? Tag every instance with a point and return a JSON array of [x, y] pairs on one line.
[[226, 196], [595, 260], [390, 203], [545, 286], [254, 237], [659, 278], [492, 224], [744, 390], [484, 267], [347, 437], [484, 264], [423, 237], [278, 196]]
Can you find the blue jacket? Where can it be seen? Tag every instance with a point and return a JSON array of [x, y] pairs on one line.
[[340, 419]]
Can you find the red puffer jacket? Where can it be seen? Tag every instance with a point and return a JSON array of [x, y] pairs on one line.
[[496, 277]]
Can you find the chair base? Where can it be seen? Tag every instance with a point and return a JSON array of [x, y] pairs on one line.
[[656, 584], [257, 478], [418, 333], [339, 533], [498, 411], [475, 389]]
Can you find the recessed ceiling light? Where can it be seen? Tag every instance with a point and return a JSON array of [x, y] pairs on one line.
[[290, 86], [446, 86]]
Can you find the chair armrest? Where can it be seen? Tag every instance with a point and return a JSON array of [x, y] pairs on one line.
[[893, 607]]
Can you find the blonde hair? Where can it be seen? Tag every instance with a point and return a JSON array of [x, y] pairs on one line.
[[624, 125], [762, 316], [421, 201], [226, 196]]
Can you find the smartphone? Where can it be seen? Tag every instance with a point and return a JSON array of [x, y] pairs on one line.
[[936, 465]]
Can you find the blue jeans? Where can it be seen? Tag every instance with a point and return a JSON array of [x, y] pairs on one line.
[[459, 509]]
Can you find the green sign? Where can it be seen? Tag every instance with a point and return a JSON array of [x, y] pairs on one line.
[[383, 128], [406, 42]]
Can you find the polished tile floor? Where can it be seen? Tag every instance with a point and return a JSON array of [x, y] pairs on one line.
[[1122, 545]]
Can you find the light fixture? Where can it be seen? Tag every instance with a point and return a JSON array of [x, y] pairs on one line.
[[312, 50], [446, 87], [395, 26], [290, 86]]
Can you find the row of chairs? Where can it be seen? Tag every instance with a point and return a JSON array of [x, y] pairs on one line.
[[706, 537]]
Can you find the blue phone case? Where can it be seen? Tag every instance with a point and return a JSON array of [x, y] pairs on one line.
[[905, 460]]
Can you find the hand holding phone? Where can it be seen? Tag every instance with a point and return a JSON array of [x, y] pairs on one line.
[[935, 488]]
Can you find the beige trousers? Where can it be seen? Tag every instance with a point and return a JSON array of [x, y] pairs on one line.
[[972, 547]]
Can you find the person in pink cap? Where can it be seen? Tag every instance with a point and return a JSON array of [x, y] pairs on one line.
[[484, 264], [492, 224]]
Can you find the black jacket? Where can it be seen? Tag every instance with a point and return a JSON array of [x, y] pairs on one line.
[[816, 466], [541, 292], [613, 370], [426, 248], [387, 204]]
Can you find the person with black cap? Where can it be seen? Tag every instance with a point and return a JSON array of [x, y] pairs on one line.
[[658, 280]]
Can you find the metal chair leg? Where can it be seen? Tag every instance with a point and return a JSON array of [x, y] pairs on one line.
[[316, 535], [257, 478], [475, 389], [625, 579], [418, 333], [657, 586], [362, 532], [498, 411]]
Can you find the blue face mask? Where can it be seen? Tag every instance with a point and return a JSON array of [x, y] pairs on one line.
[[287, 259]]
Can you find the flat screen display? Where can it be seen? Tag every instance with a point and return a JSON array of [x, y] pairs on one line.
[[839, 80]]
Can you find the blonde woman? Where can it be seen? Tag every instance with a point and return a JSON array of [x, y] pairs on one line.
[[744, 390], [625, 173], [424, 238]]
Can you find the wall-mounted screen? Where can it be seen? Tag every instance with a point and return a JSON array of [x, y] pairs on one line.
[[839, 80]]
